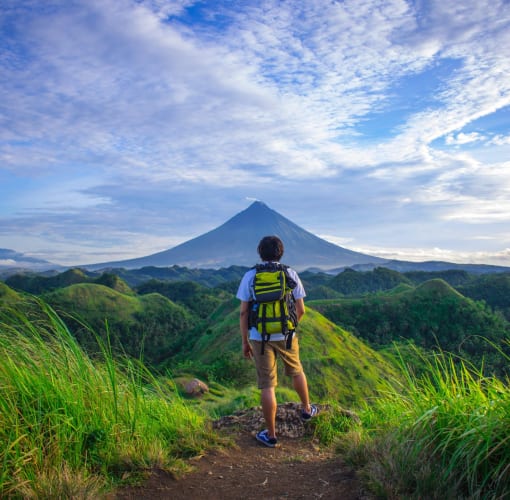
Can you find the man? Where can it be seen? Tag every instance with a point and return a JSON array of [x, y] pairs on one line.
[[270, 250]]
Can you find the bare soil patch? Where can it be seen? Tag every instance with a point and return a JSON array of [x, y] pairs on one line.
[[298, 468]]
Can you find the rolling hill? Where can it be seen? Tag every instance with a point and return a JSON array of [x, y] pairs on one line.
[[338, 365], [150, 326], [433, 315], [167, 335]]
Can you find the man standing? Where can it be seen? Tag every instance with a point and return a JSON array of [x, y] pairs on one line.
[[271, 250]]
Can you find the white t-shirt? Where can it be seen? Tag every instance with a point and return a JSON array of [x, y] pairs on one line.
[[245, 293]]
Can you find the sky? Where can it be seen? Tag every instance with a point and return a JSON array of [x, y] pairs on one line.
[[130, 126]]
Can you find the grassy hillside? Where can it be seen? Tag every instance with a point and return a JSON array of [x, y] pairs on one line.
[[7, 295], [338, 366], [445, 434], [432, 315], [70, 425], [151, 325]]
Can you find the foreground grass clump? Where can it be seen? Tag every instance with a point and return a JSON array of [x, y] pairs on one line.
[[69, 425], [446, 435]]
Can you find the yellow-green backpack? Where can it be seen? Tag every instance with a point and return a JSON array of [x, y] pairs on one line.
[[273, 308]]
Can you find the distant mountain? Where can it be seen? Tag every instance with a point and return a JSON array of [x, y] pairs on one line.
[[403, 266], [9, 259], [235, 243]]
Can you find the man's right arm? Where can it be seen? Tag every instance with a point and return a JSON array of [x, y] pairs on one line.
[[243, 325], [300, 309]]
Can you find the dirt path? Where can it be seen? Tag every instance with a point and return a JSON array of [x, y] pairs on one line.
[[296, 469]]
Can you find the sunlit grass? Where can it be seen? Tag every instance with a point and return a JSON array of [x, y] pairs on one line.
[[68, 422], [445, 435]]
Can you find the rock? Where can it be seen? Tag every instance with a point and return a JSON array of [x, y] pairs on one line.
[[195, 387], [288, 419]]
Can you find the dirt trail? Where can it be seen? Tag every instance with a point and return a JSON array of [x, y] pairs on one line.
[[297, 469]]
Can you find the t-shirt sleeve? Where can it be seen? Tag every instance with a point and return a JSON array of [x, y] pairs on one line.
[[299, 291], [244, 290]]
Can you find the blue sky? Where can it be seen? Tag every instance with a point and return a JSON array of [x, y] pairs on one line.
[[130, 126]]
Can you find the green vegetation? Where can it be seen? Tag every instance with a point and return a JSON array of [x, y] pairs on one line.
[[338, 365], [148, 326], [69, 426], [7, 295], [37, 284], [444, 434], [494, 290], [199, 299], [421, 357], [351, 282], [206, 277], [433, 315]]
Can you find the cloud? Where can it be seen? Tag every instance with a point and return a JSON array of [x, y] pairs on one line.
[[118, 83], [162, 116], [500, 140], [462, 138]]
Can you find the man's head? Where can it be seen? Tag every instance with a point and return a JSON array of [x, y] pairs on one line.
[[270, 248]]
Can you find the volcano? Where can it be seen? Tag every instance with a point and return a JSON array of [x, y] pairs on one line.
[[235, 243]]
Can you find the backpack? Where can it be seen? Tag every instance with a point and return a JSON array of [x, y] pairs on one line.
[[273, 309]]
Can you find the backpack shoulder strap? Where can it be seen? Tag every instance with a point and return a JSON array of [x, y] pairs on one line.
[[290, 282], [277, 266]]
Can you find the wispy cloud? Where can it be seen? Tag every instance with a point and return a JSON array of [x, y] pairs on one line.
[[317, 108]]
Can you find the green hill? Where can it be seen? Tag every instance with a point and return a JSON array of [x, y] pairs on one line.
[[494, 289], [338, 366], [150, 325], [114, 282], [350, 282], [201, 300], [432, 315], [8, 295], [37, 284]]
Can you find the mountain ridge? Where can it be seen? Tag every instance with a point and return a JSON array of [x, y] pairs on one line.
[[10, 259]]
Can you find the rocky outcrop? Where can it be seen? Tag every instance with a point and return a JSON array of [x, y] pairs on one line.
[[288, 420]]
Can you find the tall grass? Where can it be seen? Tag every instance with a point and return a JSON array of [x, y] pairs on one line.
[[445, 435], [70, 425]]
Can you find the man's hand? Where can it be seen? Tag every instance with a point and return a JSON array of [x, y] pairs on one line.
[[247, 351]]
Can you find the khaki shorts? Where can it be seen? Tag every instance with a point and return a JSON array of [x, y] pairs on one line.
[[266, 363]]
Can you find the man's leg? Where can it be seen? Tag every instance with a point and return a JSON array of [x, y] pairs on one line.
[[268, 400], [301, 387]]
